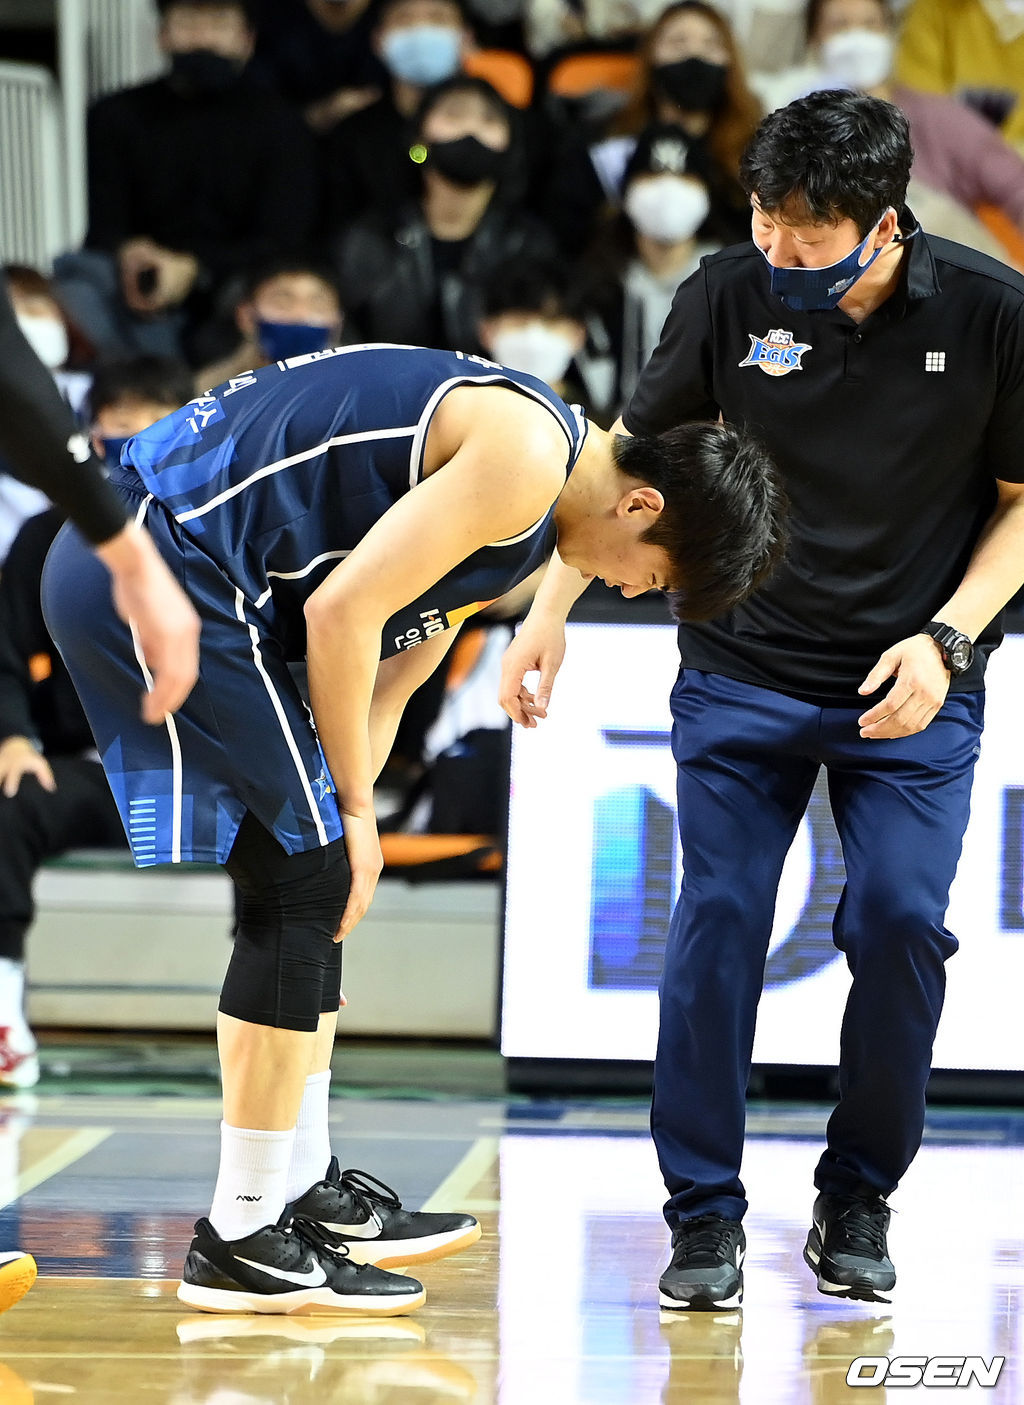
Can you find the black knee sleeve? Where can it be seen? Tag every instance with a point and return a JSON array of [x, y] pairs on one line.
[[285, 970]]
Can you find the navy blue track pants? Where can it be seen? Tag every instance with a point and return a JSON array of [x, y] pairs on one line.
[[747, 761]]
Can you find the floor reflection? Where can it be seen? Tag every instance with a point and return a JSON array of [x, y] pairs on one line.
[[557, 1303]]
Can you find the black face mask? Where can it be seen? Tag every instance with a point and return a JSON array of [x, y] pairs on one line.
[[199, 72], [692, 84], [466, 161]]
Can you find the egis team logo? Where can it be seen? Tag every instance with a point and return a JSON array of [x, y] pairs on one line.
[[777, 353]]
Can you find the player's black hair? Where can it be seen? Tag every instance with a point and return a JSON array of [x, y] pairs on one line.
[[724, 521], [249, 8], [830, 156], [529, 285], [163, 380]]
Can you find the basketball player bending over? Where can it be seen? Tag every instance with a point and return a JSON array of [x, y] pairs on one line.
[[344, 507]]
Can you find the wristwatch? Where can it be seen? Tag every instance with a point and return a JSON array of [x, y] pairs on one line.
[[956, 649]]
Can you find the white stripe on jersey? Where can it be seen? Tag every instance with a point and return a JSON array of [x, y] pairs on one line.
[[169, 722], [402, 433], [261, 600], [275, 702], [418, 443]]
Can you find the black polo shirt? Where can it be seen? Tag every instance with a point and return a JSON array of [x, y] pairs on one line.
[[890, 435]]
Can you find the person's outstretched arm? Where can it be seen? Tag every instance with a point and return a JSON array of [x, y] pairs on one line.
[[44, 448]]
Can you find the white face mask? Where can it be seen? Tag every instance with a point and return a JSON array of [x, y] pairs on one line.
[[47, 338], [535, 348], [668, 208], [859, 58]]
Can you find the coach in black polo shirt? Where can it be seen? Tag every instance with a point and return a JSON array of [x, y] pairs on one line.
[[884, 371]]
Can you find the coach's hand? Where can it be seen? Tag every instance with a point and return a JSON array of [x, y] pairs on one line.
[[20, 758], [539, 647], [922, 682], [366, 861]]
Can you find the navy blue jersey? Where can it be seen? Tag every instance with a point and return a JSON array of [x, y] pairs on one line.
[[252, 494], [278, 474]]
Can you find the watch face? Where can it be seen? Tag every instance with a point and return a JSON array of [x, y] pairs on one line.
[[961, 655]]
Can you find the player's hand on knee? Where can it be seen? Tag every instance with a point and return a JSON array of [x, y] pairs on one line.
[[19, 757], [365, 861], [535, 649], [922, 682]]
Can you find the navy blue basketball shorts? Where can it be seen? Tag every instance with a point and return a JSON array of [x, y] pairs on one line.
[[244, 739]]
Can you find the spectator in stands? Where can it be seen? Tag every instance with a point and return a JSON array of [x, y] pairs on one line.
[[770, 32], [53, 793], [641, 257], [530, 323], [61, 348], [420, 43], [418, 275], [317, 54], [286, 309], [851, 44], [194, 178], [691, 75], [972, 50]]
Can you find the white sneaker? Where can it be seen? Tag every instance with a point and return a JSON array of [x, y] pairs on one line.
[[19, 1057]]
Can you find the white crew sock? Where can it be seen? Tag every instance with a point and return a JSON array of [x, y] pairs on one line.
[[12, 996], [250, 1190], [311, 1153]]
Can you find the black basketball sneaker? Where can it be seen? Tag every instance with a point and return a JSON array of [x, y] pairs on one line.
[[847, 1247], [290, 1268], [705, 1273], [358, 1211]]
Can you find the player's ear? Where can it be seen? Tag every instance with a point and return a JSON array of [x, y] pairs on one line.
[[646, 500]]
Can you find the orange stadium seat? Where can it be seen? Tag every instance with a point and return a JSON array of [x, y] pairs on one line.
[[1003, 228], [579, 74], [509, 72]]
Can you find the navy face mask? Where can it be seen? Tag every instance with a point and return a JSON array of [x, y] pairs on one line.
[[820, 289], [112, 449], [281, 340]]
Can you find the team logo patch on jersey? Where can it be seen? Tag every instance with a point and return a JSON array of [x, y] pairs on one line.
[[777, 353]]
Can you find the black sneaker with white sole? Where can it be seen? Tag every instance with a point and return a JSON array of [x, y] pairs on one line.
[[366, 1216], [705, 1273], [847, 1249], [288, 1268]]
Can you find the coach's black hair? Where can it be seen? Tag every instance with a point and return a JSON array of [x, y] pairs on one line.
[[163, 380], [724, 521], [830, 156]]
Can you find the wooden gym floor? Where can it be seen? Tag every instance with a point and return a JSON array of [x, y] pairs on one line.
[[556, 1305]]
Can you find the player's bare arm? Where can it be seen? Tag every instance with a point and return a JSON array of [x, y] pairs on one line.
[[494, 462], [994, 574], [397, 679], [539, 647]]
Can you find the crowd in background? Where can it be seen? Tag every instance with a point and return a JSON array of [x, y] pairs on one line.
[[526, 180], [520, 178]]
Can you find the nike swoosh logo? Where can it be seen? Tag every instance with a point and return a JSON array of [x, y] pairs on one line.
[[314, 1277], [368, 1229], [740, 1256]]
